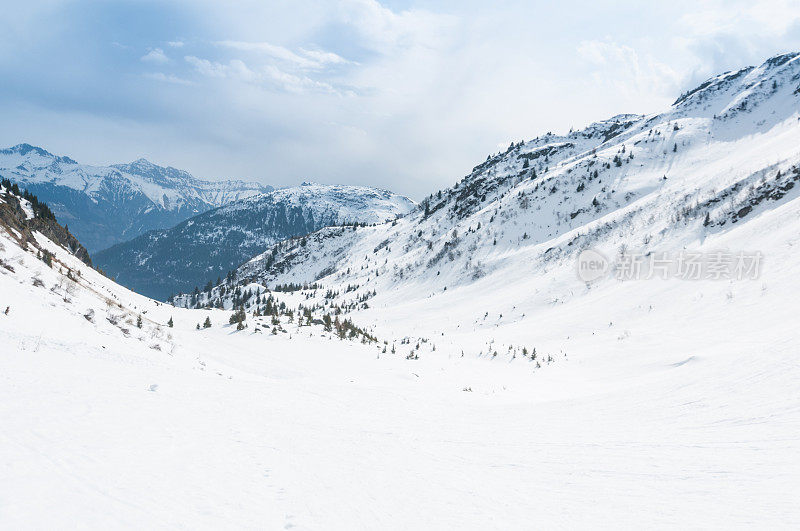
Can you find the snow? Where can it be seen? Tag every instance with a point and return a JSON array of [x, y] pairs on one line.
[[678, 424], [166, 187], [666, 403], [346, 203], [27, 208]]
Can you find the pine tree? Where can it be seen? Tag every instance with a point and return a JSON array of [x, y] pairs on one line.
[[138, 321], [238, 317], [207, 323], [170, 323]]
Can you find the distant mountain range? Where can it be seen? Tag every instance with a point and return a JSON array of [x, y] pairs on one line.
[[163, 262], [106, 205]]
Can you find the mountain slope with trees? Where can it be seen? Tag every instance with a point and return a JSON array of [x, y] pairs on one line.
[[719, 157], [207, 246]]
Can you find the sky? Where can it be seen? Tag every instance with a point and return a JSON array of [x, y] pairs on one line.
[[405, 95]]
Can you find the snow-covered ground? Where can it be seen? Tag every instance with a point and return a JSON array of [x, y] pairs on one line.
[[653, 419]]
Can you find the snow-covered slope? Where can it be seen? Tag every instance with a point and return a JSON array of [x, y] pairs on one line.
[[202, 248], [104, 205], [719, 157], [666, 404]]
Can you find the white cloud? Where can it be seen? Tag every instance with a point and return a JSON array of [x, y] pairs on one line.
[[175, 44], [713, 17], [716, 36], [297, 84], [268, 76], [323, 57], [156, 55], [386, 30], [235, 69], [167, 78], [307, 59], [623, 69]]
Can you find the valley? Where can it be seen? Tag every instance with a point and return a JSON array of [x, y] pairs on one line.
[[385, 364]]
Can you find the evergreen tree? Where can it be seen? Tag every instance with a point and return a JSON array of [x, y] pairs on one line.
[[238, 317]]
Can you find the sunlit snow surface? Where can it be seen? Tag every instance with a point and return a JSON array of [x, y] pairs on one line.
[[668, 403], [685, 414]]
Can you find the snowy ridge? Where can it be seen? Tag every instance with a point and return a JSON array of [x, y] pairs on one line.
[[202, 248], [167, 187], [343, 203], [109, 204]]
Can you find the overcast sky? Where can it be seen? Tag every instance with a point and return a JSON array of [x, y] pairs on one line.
[[406, 95]]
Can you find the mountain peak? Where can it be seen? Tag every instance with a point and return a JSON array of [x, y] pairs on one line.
[[141, 161], [747, 77], [780, 59], [24, 149]]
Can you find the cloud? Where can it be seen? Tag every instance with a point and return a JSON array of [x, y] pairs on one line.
[[385, 30], [297, 84], [719, 36], [714, 17], [235, 69], [322, 57], [156, 55], [167, 78], [175, 44], [623, 69], [269, 76], [308, 59]]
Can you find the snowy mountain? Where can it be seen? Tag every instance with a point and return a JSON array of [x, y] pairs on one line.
[[720, 156], [105, 205], [200, 249], [690, 213], [451, 369]]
